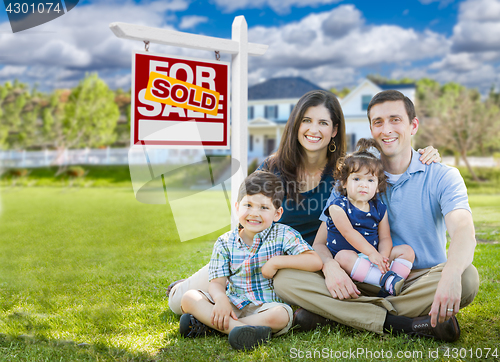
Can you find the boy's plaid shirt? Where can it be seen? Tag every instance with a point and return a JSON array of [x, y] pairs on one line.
[[242, 264]]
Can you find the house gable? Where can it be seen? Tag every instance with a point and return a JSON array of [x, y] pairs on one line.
[[352, 104], [261, 122]]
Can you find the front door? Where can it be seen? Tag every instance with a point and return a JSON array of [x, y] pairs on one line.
[[269, 146]]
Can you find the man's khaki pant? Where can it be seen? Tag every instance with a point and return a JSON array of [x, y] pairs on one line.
[[368, 312]]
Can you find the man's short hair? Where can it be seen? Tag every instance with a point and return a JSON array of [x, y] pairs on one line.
[[265, 183], [392, 95]]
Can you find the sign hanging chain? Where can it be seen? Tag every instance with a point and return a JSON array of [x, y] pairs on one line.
[[217, 55], [146, 45]]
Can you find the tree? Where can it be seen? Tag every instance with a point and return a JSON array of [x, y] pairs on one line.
[[85, 116], [492, 144], [494, 96], [454, 118], [340, 93], [19, 115], [52, 129], [90, 115], [123, 101]]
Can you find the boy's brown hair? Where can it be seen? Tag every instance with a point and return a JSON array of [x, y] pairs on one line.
[[354, 162], [265, 183]]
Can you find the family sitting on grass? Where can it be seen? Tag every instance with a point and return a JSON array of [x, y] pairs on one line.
[[377, 226]]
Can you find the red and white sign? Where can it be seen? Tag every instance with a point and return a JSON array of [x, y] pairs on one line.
[[179, 102]]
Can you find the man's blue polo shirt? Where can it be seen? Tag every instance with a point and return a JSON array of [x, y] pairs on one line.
[[417, 204]]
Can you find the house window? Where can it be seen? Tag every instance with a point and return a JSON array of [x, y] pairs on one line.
[[271, 112], [250, 143], [250, 112], [365, 101]]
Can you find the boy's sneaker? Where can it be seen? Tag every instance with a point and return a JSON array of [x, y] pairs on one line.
[[190, 327], [249, 337], [394, 288]]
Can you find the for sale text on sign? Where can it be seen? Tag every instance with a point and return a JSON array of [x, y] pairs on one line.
[[179, 102]]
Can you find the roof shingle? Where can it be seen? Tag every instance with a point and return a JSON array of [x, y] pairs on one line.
[[280, 88]]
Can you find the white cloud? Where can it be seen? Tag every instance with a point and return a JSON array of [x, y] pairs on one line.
[[189, 22], [279, 6], [331, 55], [472, 71], [478, 27], [326, 58], [479, 10], [10, 72], [481, 77], [81, 39], [461, 62], [332, 48], [474, 52], [342, 20], [442, 3]]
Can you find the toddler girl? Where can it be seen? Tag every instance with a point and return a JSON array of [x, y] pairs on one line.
[[358, 227]]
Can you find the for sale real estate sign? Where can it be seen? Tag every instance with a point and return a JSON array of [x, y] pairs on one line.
[[179, 102]]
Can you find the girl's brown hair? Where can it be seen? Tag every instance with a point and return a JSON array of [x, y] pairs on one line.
[[362, 158]]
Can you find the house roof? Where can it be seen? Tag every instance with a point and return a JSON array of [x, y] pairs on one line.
[[279, 88], [386, 86]]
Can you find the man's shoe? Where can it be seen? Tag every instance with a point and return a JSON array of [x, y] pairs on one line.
[[249, 337], [307, 321], [190, 327], [173, 284], [448, 331]]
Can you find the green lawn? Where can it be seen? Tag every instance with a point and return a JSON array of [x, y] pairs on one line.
[[83, 274]]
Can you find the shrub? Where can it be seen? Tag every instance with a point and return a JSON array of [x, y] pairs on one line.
[[253, 166], [75, 172], [17, 172]]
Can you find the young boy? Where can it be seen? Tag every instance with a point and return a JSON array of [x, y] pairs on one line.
[[249, 257]]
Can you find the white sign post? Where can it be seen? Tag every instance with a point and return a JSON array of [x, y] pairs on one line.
[[240, 49]]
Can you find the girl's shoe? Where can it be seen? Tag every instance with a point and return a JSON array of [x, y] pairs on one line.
[[394, 288]]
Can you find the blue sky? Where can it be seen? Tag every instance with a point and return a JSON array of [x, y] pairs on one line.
[[333, 43]]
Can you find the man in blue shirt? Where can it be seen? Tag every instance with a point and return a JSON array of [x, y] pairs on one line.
[[423, 202]]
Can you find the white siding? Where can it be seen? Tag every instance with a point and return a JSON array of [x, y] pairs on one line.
[[351, 105], [359, 128], [258, 111]]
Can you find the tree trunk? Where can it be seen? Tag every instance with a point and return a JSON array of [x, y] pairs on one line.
[[57, 160], [457, 158], [472, 173]]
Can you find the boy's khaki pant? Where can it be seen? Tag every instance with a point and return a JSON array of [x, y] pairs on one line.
[[197, 281], [368, 312]]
